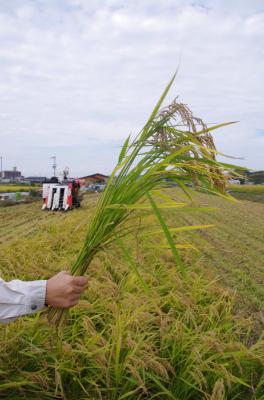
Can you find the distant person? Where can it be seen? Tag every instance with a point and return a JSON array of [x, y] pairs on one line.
[[19, 298]]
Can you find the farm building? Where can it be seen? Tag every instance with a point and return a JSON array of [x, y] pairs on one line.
[[14, 174], [91, 179]]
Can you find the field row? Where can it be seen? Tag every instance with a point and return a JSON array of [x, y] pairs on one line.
[[233, 249]]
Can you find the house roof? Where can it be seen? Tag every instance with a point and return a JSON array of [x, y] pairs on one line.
[[97, 175]]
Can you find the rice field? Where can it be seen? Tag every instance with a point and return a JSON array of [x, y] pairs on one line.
[[17, 188], [141, 331], [248, 192], [247, 188]]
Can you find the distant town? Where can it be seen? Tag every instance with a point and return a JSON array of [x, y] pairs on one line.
[[58, 192], [15, 176]]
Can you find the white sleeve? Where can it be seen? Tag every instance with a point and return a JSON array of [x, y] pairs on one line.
[[20, 297]]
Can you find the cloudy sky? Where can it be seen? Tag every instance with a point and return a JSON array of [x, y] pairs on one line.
[[77, 76]]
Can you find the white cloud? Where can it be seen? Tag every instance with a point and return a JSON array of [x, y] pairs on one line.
[[73, 71]]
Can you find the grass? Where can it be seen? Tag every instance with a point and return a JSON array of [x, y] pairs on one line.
[[153, 336]]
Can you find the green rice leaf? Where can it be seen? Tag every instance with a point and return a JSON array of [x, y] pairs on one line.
[[181, 229], [123, 150], [167, 235], [213, 128], [146, 206], [164, 94]]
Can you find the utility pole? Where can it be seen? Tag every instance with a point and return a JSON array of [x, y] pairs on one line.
[[66, 172], [1, 160], [54, 165]]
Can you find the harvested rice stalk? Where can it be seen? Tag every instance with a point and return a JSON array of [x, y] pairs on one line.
[[174, 146]]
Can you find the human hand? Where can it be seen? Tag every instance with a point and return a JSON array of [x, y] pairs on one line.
[[64, 290]]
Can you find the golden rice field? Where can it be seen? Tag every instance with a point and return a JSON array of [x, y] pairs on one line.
[[248, 192], [247, 188], [16, 188], [141, 331]]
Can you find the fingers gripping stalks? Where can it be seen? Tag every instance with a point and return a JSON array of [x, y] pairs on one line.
[[65, 290]]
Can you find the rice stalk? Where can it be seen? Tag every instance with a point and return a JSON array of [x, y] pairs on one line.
[[172, 146]]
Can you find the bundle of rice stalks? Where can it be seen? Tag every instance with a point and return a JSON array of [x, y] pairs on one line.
[[173, 146]]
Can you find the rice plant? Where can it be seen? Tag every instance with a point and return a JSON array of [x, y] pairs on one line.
[[173, 146]]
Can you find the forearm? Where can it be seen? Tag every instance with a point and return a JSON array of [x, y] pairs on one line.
[[19, 298]]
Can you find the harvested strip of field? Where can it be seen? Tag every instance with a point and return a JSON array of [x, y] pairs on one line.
[[23, 220]]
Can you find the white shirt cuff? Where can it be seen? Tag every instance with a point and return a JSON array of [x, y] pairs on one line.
[[19, 298]]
